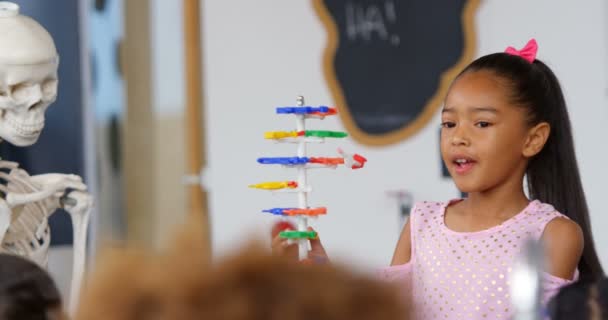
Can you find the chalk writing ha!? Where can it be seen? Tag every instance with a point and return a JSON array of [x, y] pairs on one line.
[[371, 21]]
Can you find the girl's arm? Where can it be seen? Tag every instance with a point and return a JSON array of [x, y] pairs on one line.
[[563, 242], [403, 251], [400, 269]]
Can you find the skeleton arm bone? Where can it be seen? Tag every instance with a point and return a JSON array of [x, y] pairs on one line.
[[50, 184], [5, 218], [79, 205]]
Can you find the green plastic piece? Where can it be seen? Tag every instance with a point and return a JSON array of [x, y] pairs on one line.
[[325, 134], [298, 234]]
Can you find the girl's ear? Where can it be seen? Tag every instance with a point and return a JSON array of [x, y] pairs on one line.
[[536, 139]]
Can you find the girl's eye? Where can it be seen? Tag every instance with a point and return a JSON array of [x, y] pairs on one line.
[[483, 124], [448, 124]]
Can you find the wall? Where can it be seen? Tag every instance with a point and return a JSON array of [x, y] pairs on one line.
[[262, 54]]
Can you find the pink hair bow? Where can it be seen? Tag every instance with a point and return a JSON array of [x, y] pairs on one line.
[[528, 52]]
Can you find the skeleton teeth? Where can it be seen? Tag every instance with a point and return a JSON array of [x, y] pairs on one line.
[[25, 129]]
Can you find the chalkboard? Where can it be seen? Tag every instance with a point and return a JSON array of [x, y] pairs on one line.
[[388, 63]]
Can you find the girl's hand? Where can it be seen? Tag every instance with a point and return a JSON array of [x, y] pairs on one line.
[[317, 253], [281, 247]]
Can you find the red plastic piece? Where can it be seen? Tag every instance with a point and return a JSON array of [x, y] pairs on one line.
[[361, 161], [331, 112], [279, 226]]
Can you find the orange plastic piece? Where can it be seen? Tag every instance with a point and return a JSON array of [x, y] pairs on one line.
[[327, 161], [306, 212]]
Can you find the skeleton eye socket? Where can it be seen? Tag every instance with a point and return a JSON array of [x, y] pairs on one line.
[[49, 89], [21, 92]]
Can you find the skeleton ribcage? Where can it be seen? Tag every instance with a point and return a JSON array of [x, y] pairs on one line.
[[28, 234]]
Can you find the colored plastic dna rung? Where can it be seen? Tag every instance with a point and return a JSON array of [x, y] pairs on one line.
[[284, 160], [277, 211], [307, 133], [321, 110], [306, 212], [302, 110], [298, 234], [302, 160], [330, 112], [275, 185], [312, 212], [281, 134], [326, 161], [325, 134]]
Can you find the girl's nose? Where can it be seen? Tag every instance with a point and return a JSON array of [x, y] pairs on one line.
[[460, 138]]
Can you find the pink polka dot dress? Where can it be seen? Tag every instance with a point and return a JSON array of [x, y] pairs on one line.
[[465, 275]]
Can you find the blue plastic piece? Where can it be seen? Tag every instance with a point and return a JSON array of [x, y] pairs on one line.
[[302, 110], [284, 160], [277, 211]]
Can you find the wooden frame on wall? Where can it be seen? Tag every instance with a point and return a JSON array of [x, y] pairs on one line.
[[433, 102]]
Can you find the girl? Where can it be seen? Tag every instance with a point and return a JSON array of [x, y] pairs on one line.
[[504, 118], [27, 291], [582, 300]]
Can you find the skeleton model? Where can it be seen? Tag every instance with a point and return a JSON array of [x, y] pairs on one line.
[[28, 85]]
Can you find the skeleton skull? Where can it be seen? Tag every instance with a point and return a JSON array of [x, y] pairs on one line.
[[28, 76]]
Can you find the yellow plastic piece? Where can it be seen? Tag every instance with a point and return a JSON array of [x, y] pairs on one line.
[[275, 185], [280, 134]]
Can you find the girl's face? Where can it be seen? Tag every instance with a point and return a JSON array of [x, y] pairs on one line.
[[483, 135]]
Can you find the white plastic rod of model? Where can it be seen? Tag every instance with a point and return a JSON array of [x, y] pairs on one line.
[[302, 221]]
